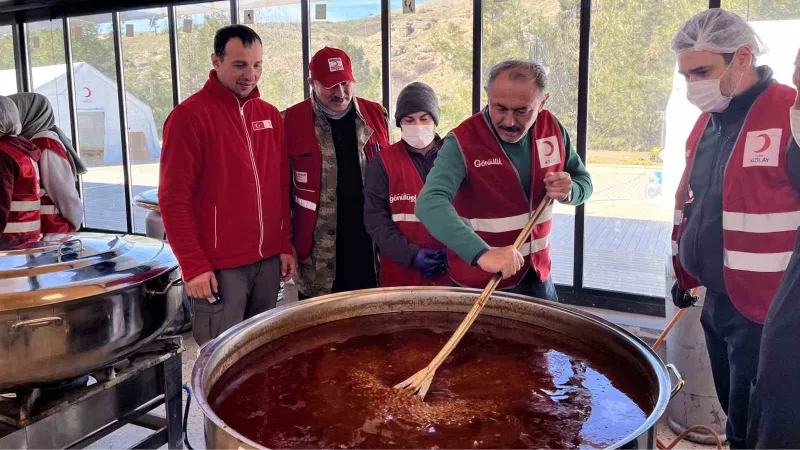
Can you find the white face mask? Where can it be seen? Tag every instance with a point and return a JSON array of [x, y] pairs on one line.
[[707, 94], [794, 115], [418, 136]]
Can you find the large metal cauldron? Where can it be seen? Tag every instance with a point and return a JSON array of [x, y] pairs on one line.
[[220, 354], [71, 304]]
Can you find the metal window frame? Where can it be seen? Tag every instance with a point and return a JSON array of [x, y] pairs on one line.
[[305, 19], [386, 55], [576, 294], [123, 121], [72, 99], [19, 35], [174, 55]]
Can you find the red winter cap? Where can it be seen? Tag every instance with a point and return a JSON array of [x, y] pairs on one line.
[[331, 66]]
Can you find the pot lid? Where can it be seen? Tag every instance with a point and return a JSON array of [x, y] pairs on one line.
[[63, 267], [147, 200]]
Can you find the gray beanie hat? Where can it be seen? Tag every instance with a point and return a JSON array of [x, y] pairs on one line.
[[414, 98]]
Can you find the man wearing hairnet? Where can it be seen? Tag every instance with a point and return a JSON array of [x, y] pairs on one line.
[[738, 204], [19, 180], [774, 407]]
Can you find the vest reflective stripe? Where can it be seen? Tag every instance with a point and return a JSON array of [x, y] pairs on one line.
[[305, 203], [677, 218], [23, 227], [19, 206], [535, 246], [761, 223], [757, 262], [404, 218], [50, 209], [505, 224], [761, 209]]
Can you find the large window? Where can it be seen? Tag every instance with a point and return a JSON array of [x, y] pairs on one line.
[[549, 36], [197, 25], [281, 33], [434, 45], [48, 69], [8, 74], [633, 113], [148, 84], [99, 137], [356, 29]]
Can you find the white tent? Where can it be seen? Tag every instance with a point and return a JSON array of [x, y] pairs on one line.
[[782, 40], [97, 104]]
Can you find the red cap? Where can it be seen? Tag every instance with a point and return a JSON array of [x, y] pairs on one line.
[[331, 66]]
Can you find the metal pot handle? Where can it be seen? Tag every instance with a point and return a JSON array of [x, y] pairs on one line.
[[40, 322], [677, 386], [176, 282], [63, 244]]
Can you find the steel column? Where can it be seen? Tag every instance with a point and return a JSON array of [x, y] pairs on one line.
[[305, 19], [582, 137], [123, 121], [386, 54], [174, 54], [477, 54], [234, 11], [73, 108], [21, 57]]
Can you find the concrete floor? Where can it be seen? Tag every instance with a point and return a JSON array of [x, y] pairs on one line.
[[131, 435]]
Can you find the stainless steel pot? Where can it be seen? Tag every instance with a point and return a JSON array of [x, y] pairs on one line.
[[71, 304], [221, 353]]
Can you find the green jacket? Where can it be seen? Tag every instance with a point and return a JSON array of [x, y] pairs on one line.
[[434, 205]]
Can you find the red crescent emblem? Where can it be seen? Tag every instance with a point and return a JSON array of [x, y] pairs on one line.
[[552, 149], [88, 92], [767, 143]]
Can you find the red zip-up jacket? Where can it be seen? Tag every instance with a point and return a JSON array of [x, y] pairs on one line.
[[224, 184]]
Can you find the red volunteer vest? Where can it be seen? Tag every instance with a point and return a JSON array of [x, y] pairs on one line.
[[52, 220], [404, 187], [306, 161], [24, 221], [760, 208], [492, 201]]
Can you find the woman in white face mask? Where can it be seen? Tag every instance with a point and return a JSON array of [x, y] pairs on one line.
[[410, 256]]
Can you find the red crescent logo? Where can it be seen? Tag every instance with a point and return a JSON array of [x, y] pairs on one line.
[[767, 143], [552, 149], [88, 92]]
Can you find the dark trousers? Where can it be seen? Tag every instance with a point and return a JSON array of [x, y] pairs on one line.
[[775, 398], [733, 345], [244, 292], [531, 286]]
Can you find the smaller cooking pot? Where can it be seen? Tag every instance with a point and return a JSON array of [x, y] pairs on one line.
[[74, 303]]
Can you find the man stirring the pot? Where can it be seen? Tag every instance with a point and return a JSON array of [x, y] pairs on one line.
[[491, 173], [224, 192], [738, 202]]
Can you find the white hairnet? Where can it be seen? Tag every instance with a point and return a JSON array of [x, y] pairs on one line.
[[9, 117], [717, 31]]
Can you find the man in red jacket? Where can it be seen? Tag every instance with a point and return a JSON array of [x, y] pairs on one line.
[[331, 137], [224, 190]]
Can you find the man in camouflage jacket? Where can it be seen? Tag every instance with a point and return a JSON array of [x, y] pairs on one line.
[[335, 253]]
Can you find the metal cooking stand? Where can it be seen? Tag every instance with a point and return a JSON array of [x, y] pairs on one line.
[[78, 418]]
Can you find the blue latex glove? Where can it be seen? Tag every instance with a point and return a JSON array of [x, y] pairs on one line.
[[431, 262]]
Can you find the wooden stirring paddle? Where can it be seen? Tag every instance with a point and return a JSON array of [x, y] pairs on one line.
[[419, 383]]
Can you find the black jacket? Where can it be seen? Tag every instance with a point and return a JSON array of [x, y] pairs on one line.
[[701, 249], [378, 216]]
